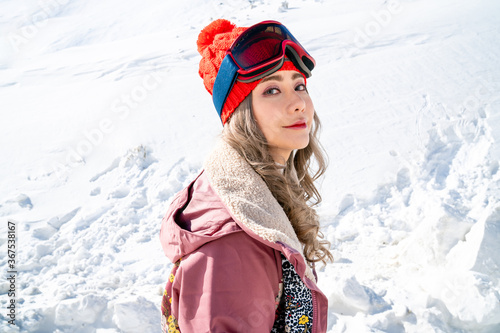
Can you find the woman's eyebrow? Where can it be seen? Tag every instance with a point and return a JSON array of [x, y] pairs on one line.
[[279, 77]]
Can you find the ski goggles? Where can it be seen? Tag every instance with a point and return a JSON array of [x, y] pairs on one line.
[[259, 51]]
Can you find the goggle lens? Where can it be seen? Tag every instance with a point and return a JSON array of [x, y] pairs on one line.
[[263, 46], [259, 45]]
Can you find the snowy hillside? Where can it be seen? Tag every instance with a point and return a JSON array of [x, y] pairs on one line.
[[104, 118]]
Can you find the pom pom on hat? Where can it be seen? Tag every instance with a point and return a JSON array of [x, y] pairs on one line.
[[208, 34], [213, 42]]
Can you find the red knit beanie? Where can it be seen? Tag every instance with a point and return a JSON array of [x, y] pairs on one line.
[[213, 42]]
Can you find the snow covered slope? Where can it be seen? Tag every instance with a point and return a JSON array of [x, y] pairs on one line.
[[104, 118]]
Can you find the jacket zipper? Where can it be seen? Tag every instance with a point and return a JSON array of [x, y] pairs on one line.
[[315, 312]]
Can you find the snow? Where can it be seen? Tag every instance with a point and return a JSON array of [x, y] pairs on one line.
[[104, 119]]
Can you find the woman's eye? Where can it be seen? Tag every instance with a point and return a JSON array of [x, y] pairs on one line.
[[301, 87], [271, 91]]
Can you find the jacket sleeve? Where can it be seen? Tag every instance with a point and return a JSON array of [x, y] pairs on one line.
[[227, 285]]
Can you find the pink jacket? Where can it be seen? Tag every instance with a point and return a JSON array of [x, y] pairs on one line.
[[225, 232]]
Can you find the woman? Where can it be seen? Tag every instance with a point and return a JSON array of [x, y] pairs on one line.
[[242, 235]]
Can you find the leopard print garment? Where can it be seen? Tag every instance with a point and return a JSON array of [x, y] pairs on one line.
[[295, 311]]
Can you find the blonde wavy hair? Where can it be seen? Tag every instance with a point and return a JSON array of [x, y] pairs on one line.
[[294, 187]]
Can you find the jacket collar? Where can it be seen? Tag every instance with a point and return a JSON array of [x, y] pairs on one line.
[[248, 198]]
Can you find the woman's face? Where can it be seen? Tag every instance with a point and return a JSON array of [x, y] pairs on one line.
[[284, 112]]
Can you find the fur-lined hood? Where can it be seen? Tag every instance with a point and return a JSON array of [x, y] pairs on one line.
[[247, 205]]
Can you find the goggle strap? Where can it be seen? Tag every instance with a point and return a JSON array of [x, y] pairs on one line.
[[224, 81]]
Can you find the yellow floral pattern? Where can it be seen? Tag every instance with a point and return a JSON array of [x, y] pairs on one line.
[[169, 323], [173, 327]]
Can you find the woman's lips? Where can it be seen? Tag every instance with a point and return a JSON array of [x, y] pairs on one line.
[[298, 125]]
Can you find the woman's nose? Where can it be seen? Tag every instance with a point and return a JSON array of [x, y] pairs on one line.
[[297, 102]]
